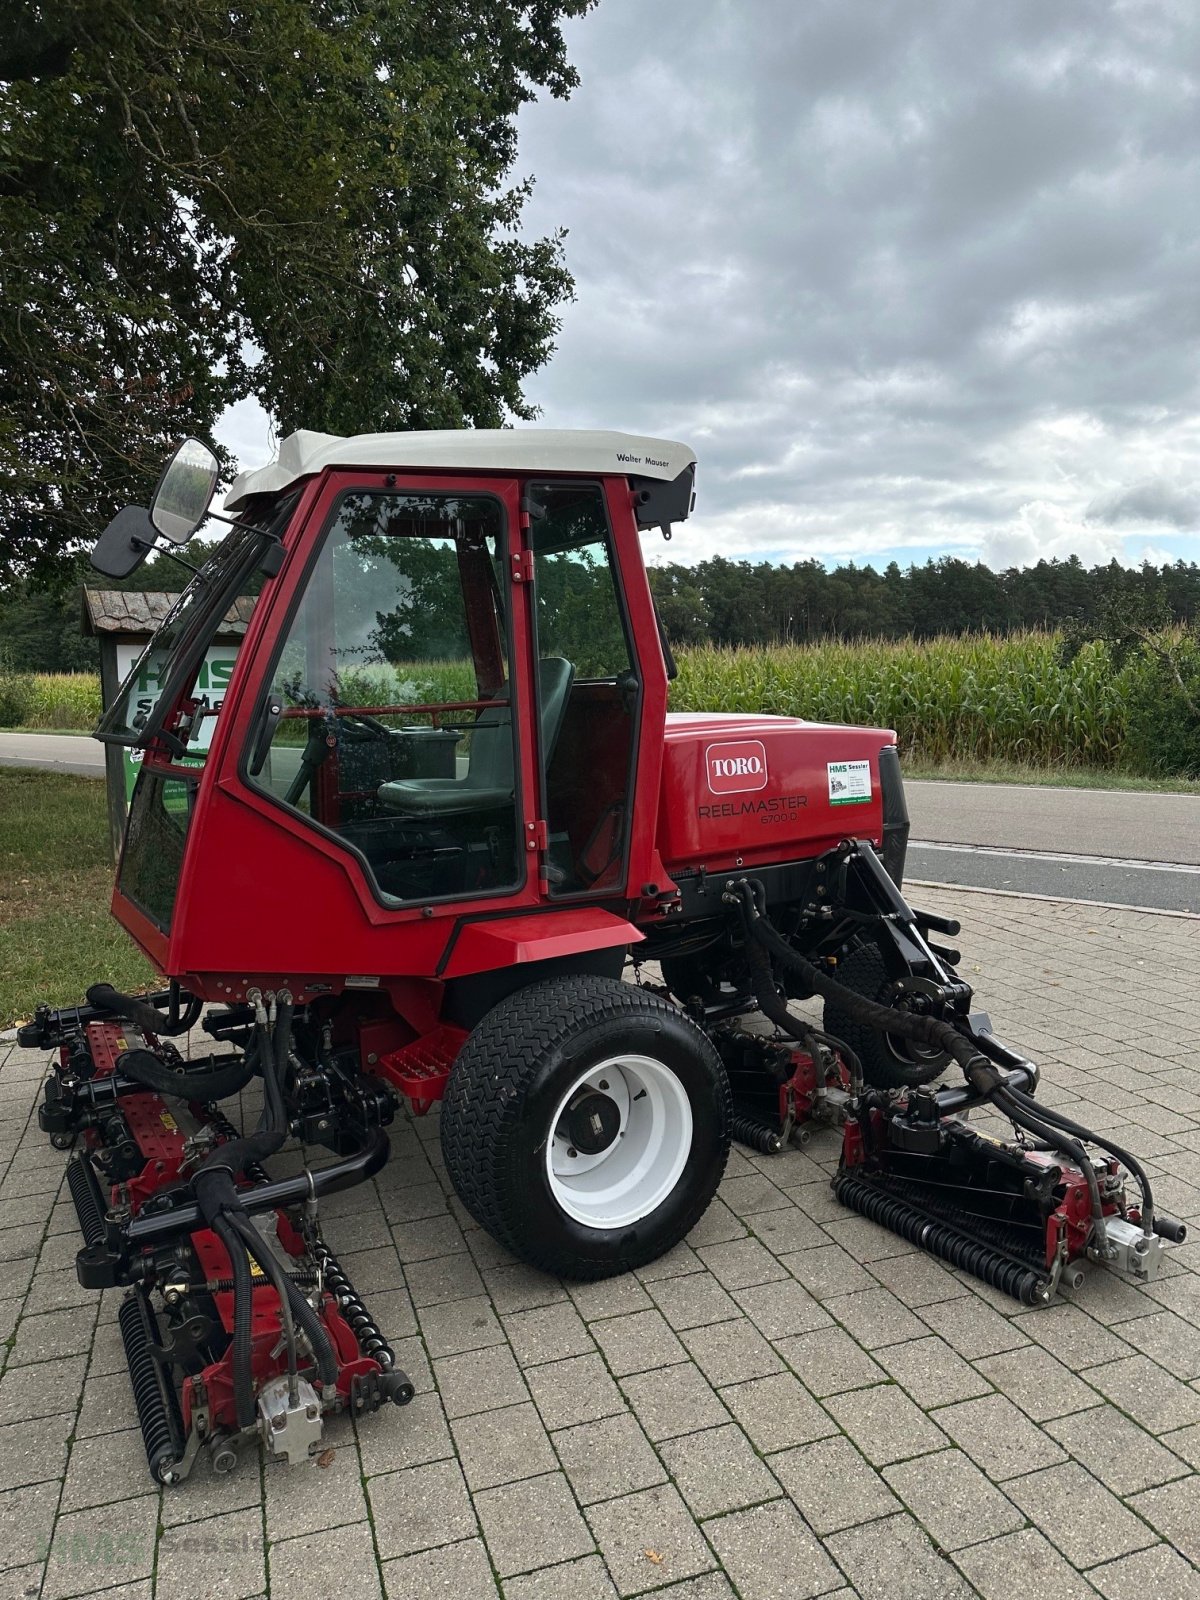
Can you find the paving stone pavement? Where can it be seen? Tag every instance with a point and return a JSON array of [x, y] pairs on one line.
[[792, 1403]]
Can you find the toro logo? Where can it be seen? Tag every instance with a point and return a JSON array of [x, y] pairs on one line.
[[735, 768]]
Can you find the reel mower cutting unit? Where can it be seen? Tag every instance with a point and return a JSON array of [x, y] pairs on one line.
[[442, 807]]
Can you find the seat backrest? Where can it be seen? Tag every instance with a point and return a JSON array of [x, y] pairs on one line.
[[555, 679], [490, 763]]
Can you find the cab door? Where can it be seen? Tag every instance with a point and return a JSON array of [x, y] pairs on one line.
[[588, 688]]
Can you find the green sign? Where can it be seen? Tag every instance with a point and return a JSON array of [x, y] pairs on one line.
[[212, 680]]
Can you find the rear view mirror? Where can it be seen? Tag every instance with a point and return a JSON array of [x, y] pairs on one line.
[[184, 491], [124, 544]]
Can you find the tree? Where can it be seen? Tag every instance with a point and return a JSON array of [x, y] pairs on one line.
[[302, 200], [1159, 659]]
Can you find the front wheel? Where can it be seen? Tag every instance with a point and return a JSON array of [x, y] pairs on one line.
[[586, 1125], [889, 1060]]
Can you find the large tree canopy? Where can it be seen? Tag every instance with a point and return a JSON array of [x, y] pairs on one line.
[[301, 200]]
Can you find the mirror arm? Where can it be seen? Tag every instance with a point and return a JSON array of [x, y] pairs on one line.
[[159, 550]]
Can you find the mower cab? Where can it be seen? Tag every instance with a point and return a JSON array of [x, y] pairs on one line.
[[442, 807]]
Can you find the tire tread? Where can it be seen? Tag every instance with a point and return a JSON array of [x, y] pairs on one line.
[[485, 1095]]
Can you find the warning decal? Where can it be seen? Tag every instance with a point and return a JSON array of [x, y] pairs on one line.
[[849, 783]]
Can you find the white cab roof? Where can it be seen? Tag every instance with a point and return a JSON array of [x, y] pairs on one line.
[[467, 449]]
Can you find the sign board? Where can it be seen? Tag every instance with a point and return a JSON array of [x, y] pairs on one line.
[[212, 680]]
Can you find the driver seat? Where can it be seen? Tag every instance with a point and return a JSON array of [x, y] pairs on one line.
[[488, 783]]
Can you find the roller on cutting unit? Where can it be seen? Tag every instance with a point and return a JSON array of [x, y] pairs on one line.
[[412, 849]]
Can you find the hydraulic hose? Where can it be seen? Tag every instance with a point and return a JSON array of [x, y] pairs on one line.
[[1016, 1113], [1131, 1163], [218, 1084], [933, 1032], [215, 1188], [243, 1312], [272, 1269], [105, 998], [772, 1005], [314, 1329]]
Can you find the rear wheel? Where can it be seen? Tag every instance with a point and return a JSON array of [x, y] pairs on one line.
[[586, 1125], [889, 1062]]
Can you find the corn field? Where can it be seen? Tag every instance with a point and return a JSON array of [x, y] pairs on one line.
[[973, 699], [49, 700]]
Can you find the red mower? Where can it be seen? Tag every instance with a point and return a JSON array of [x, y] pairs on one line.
[[441, 811]]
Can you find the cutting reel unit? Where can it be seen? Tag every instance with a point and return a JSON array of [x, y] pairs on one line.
[[1021, 1207], [238, 1322]]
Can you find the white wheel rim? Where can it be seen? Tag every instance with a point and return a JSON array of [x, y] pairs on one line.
[[628, 1179]]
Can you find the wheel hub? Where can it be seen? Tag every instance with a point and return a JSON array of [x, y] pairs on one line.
[[593, 1122], [619, 1141]]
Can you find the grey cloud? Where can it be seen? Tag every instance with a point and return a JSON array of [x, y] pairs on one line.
[[897, 270], [1175, 504]]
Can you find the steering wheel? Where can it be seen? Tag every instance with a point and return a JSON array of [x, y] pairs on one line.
[[359, 728]]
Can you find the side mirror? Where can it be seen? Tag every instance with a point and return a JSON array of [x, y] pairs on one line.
[[124, 544], [184, 491]]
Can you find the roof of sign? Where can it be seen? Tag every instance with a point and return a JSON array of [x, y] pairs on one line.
[[468, 449], [139, 611]]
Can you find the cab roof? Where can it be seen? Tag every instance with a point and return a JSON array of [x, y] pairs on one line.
[[517, 450]]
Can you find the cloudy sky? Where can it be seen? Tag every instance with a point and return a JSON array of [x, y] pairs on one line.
[[913, 278]]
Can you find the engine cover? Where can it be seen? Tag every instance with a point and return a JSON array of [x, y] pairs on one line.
[[747, 791]]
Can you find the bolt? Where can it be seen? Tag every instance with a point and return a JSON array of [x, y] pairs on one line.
[[603, 1083], [571, 1151]]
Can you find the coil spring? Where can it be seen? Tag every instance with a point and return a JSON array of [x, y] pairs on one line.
[[755, 1135], [89, 1202], [942, 1239], [370, 1341], [155, 1398], [303, 1280]]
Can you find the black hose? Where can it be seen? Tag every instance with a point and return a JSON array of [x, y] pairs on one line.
[[243, 1313], [216, 1194], [314, 1329], [1049, 1114], [221, 1084], [273, 1270], [105, 998], [933, 1032], [1032, 1123]]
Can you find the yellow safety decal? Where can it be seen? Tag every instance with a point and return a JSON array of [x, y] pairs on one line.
[[168, 1122]]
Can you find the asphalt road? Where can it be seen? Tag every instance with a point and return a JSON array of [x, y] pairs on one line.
[[1120, 846], [55, 752], [1131, 825]]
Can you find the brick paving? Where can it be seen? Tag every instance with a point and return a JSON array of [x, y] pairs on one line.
[[791, 1404]]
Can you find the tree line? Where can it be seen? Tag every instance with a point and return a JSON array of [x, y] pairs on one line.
[[732, 603]]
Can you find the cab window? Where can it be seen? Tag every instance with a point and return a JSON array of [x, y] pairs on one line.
[[587, 746], [389, 720]]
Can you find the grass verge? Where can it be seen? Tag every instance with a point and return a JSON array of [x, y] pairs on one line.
[[1047, 777], [56, 934]]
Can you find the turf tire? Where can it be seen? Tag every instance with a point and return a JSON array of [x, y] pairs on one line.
[[503, 1092]]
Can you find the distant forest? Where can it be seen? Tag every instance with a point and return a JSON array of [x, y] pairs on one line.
[[729, 603]]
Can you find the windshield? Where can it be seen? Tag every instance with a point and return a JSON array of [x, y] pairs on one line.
[[170, 662]]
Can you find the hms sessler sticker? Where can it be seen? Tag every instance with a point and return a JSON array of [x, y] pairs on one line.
[[849, 783]]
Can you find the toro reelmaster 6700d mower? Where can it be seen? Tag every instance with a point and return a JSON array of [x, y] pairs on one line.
[[442, 806]]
